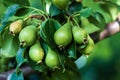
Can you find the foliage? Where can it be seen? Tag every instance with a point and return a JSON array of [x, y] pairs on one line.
[[90, 15]]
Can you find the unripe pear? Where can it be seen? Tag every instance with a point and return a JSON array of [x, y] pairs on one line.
[[61, 4], [28, 35], [63, 36], [89, 48], [15, 27], [36, 53], [79, 35], [78, 0], [52, 59]]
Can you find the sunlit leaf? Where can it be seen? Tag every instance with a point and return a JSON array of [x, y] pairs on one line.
[[89, 27], [117, 2], [86, 12]]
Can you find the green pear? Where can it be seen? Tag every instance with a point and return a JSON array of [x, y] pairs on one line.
[[79, 35], [36, 53], [89, 47], [15, 27], [61, 4], [52, 59], [28, 35], [63, 36]]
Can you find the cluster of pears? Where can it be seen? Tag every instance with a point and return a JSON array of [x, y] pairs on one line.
[[36, 53], [64, 35], [28, 37]]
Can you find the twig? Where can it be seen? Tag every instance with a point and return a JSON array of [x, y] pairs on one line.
[[26, 71]]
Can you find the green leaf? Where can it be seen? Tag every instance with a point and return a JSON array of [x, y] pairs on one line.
[[72, 51], [98, 16], [86, 12], [9, 44], [70, 64], [22, 11], [62, 58], [44, 46], [15, 76], [2, 10], [98, 20], [42, 35], [111, 8], [117, 2], [74, 7], [13, 18], [0, 41], [54, 10], [11, 2], [97, 8], [39, 4], [89, 27], [48, 28], [11, 10], [20, 57]]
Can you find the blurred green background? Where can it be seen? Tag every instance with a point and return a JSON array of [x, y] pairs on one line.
[[104, 62]]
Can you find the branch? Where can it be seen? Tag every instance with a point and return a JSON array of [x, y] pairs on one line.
[[26, 70], [111, 29]]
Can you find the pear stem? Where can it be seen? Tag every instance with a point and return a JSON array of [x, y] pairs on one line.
[[61, 47], [68, 19], [76, 22], [76, 15], [38, 11], [40, 61]]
